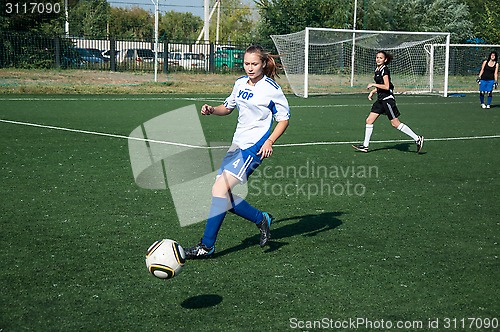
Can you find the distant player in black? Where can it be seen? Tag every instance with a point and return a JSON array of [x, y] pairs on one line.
[[385, 104], [488, 78]]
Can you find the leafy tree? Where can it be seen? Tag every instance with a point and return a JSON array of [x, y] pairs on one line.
[[287, 16], [175, 26], [34, 22], [131, 23], [89, 18], [486, 17], [236, 23]]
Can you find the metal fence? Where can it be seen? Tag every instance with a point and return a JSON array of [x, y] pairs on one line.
[[27, 50]]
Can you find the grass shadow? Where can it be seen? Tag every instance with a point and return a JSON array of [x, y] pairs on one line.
[[403, 147], [201, 301], [305, 225]]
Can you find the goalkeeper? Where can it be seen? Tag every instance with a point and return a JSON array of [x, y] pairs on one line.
[[488, 78]]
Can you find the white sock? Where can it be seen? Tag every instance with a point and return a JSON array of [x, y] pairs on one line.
[[407, 130], [368, 134]]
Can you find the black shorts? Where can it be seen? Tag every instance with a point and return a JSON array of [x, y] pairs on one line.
[[387, 107]]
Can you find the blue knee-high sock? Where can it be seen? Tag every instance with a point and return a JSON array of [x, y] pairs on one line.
[[481, 98], [243, 209], [215, 217], [490, 98]]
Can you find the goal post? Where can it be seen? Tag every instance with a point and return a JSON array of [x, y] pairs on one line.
[[318, 61], [464, 63]]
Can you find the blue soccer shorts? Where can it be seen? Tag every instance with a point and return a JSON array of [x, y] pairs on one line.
[[486, 86], [240, 163]]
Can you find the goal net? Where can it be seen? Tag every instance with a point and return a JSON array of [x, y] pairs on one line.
[[321, 61], [464, 64]]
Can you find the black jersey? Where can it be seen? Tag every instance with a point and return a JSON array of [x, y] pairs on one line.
[[379, 79], [488, 72]]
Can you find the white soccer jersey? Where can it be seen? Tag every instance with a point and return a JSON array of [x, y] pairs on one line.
[[257, 105]]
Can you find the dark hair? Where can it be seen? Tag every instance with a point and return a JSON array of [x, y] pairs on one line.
[[270, 68], [388, 56], [496, 55]]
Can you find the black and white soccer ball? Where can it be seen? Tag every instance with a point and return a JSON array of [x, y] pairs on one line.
[[165, 259]]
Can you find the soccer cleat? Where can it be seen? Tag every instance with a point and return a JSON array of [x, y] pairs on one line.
[[420, 143], [487, 106], [483, 105], [199, 251], [264, 228], [361, 147]]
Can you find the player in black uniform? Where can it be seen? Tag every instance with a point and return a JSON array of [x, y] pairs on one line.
[[385, 104], [488, 78]]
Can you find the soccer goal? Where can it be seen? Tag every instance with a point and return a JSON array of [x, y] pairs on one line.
[[465, 62], [320, 61]]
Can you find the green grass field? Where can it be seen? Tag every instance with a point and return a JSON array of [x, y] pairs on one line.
[[413, 240]]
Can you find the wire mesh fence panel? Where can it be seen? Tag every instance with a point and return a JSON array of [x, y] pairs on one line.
[[23, 50]]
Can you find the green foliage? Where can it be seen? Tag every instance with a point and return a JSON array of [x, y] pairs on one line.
[[131, 23], [175, 26], [287, 16], [31, 20], [486, 18], [90, 18], [492, 24], [236, 23]]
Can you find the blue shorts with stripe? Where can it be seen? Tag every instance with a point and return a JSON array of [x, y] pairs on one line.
[[386, 106], [240, 163], [486, 86]]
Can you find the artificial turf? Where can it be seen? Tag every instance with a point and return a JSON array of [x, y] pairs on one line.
[[416, 239]]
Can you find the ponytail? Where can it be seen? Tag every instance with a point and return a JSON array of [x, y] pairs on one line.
[[271, 67], [388, 56]]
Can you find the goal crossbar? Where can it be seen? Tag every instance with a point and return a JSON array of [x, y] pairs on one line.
[[313, 55]]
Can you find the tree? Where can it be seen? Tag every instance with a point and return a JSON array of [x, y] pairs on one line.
[[90, 18], [31, 20], [175, 26], [420, 15], [131, 23], [236, 23], [486, 18], [287, 16]]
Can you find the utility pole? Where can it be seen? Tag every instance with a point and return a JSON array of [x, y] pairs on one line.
[[206, 26], [66, 24], [155, 2]]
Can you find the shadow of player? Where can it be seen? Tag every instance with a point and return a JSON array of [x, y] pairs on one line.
[[305, 225], [404, 147]]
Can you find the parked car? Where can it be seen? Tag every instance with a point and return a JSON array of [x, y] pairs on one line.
[[106, 54], [90, 55], [138, 55], [229, 59], [171, 62], [70, 58], [189, 60]]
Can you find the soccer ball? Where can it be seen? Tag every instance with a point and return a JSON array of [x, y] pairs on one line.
[[165, 259]]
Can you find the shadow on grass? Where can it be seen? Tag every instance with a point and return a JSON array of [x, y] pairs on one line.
[[201, 301], [306, 225], [403, 147]]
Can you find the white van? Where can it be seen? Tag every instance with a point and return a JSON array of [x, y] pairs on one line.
[[137, 55], [190, 60]]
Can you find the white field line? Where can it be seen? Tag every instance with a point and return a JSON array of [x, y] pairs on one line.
[[79, 131], [216, 100]]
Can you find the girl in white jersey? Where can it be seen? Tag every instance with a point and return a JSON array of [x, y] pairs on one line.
[[259, 100]]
